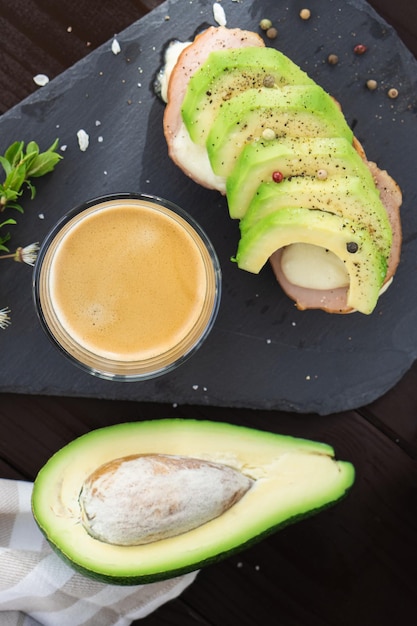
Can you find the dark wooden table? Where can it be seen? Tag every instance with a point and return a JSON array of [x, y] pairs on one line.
[[353, 565]]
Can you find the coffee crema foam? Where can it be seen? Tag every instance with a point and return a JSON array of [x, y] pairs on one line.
[[127, 282]]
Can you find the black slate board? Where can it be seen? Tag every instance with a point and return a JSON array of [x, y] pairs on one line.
[[262, 352]]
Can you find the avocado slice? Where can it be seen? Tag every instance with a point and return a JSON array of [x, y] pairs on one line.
[[290, 478], [347, 196], [225, 74], [289, 111], [292, 157], [349, 241]]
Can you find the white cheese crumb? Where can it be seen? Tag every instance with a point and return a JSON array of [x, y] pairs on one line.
[[195, 387], [219, 14], [63, 148], [100, 139], [97, 123], [83, 140], [41, 80], [41, 216], [115, 46]]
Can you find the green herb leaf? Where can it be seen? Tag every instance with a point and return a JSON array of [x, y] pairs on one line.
[[6, 165], [14, 152], [31, 188], [20, 165], [42, 164], [32, 147], [16, 178], [6, 222], [14, 205]]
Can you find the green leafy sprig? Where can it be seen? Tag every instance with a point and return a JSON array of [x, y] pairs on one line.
[[21, 164]]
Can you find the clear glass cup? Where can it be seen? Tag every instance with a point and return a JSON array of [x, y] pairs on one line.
[[127, 286]]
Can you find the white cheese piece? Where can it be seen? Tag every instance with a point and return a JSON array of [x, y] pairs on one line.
[[41, 80], [313, 267], [115, 46], [219, 14], [83, 140]]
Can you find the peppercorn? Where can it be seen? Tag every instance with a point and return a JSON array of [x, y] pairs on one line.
[[393, 93], [271, 33], [371, 84], [268, 81], [277, 177], [360, 48], [265, 24], [268, 134], [305, 14], [322, 174], [333, 59], [352, 247]]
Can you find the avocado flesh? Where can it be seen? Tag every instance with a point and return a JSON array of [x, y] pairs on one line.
[[292, 157], [293, 478], [290, 111], [366, 265], [347, 196], [225, 74]]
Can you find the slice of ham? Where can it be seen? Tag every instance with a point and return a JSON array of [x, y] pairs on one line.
[[335, 300], [189, 60]]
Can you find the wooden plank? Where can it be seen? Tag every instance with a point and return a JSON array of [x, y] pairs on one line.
[[34, 28], [395, 413], [402, 16], [8, 471]]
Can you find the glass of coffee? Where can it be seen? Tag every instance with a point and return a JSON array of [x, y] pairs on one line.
[[127, 286]]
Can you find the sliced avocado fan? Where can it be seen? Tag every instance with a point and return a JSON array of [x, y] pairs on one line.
[[266, 124]]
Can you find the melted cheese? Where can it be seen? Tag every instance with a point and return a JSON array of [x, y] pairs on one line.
[[312, 267]]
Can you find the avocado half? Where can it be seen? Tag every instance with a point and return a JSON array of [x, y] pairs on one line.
[[292, 478]]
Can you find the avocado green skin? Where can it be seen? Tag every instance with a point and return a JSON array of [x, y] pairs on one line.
[[225, 74], [291, 111], [347, 196], [144, 579], [292, 157], [176, 429]]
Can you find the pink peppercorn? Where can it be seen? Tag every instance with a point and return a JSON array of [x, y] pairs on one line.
[[277, 177], [360, 49]]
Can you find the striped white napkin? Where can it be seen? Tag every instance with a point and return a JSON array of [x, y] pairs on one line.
[[37, 587]]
